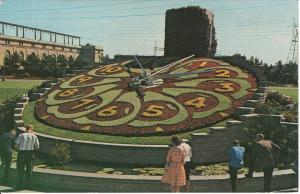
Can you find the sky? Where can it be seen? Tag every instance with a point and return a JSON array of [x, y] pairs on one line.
[[260, 28]]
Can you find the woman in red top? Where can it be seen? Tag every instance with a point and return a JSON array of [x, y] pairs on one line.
[[175, 174]]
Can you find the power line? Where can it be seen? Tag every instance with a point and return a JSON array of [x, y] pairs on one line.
[[81, 7], [152, 14]]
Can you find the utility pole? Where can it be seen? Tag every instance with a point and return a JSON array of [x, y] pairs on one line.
[[293, 51]]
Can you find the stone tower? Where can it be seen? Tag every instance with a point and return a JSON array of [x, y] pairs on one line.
[[189, 30]]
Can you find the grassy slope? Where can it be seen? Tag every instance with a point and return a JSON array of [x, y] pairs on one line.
[[289, 91], [14, 88], [153, 140]]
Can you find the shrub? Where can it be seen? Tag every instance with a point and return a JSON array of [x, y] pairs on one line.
[[61, 153]]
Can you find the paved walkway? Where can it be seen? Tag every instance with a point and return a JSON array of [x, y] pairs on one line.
[[7, 189]]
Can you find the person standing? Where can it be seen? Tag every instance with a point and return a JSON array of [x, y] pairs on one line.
[[7, 141], [265, 154], [187, 163], [236, 161], [175, 174], [26, 143]]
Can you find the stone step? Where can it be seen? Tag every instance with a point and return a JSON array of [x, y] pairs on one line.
[[88, 67], [36, 96], [19, 123], [217, 129], [233, 123], [243, 110], [79, 71], [44, 90], [20, 105], [246, 117], [23, 99], [258, 96], [18, 116], [263, 84], [262, 89], [251, 103], [18, 110], [50, 84], [70, 75]]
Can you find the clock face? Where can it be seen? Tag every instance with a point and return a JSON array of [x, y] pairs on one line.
[[189, 95]]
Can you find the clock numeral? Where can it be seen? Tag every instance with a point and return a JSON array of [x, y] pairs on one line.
[[153, 111], [203, 64], [110, 111], [226, 87], [197, 102], [222, 73], [84, 79], [84, 102], [110, 69], [68, 92]]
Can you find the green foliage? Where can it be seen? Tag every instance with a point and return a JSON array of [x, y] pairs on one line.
[[277, 97], [286, 138], [287, 91], [7, 116], [61, 153], [12, 63], [11, 89], [216, 169], [277, 103]]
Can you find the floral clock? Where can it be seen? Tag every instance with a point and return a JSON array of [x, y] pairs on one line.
[[114, 99]]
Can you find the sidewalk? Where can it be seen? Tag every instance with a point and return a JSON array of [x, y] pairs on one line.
[[7, 189]]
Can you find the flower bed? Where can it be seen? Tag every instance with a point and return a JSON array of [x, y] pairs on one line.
[[100, 101]]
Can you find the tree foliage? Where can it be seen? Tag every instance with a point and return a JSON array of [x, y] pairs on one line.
[[47, 66]]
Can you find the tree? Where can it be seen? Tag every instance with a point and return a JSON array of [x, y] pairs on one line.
[[62, 61], [32, 64], [11, 64]]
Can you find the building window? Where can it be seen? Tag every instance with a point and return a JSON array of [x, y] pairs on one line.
[[20, 43], [32, 45], [7, 42]]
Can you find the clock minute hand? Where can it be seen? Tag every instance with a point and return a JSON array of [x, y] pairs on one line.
[[183, 74]]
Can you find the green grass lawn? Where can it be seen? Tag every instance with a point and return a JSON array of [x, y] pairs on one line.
[[29, 118], [15, 88], [289, 91]]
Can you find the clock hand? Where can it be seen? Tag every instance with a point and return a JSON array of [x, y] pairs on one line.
[[166, 67], [183, 74]]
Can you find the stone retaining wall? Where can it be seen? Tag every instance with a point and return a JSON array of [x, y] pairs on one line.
[[67, 181]]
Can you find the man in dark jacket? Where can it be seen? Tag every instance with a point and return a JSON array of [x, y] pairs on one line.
[[265, 154], [6, 148]]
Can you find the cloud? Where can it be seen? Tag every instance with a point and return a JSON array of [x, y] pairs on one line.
[[1, 2]]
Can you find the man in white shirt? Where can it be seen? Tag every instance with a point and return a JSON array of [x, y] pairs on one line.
[[26, 144], [187, 162]]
